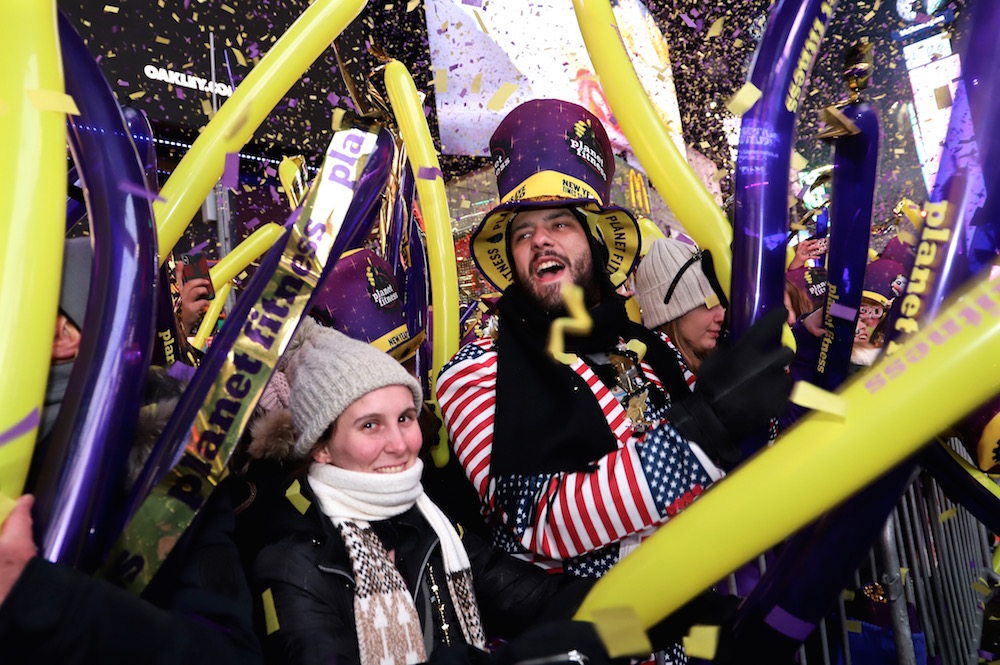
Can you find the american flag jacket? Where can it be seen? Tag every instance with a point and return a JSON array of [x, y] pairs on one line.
[[582, 522]]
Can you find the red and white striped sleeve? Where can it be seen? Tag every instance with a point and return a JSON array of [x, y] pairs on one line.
[[466, 393], [567, 514]]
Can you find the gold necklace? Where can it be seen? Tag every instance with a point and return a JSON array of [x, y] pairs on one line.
[[437, 600]]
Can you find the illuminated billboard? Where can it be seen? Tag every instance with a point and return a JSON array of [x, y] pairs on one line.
[[488, 58]]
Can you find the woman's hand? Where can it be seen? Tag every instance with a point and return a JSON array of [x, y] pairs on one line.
[[17, 546], [807, 249], [193, 300]]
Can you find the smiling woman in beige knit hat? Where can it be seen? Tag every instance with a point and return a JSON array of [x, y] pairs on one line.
[[677, 300], [354, 564]]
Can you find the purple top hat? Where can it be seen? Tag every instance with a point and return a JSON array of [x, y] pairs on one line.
[[884, 280], [360, 298], [550, 153]]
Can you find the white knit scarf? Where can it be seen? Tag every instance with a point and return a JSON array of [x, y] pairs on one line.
[[386, 618]]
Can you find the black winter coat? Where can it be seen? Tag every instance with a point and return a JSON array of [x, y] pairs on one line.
[[197, 610], [301, 559]]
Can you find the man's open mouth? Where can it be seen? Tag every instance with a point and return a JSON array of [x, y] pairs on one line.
[[548, 267]]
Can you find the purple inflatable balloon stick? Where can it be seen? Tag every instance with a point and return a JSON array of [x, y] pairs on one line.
[[855, 167], [805, 581], [142, 135], [357, 224], [781, 66], [76, 207], [402, 216], [83, 473]]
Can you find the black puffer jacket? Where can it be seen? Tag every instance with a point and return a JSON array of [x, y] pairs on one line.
[[301, 559]]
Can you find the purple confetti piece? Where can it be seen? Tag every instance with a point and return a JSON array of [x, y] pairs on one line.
[[787, 624], [687, 20], [843, 311], [181, 372], [473, 3], [428, 173], [197, 248], [252, 224], [180, 93], [139, 190], [28, 423], [231, 174], [270, 172], [333, 98], [293, 218]]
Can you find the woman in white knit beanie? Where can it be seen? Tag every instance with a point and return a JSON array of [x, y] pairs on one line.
[[357, 564], [678, 301]]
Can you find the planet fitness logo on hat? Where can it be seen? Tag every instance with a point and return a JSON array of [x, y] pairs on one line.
[[501, 157], [380, 288], [583, 142]]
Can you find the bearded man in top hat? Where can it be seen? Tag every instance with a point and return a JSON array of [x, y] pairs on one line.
[[577, 463]]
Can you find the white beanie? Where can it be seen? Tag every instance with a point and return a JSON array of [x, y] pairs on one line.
[[328, 373], [656, 273]]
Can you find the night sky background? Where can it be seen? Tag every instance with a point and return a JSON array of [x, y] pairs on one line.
[[126, 35]]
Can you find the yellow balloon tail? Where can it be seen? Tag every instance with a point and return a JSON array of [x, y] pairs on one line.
[[578, 322], [236, 261], [212, 316]]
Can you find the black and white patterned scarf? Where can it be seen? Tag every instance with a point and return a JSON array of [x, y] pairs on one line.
[[387, 624]]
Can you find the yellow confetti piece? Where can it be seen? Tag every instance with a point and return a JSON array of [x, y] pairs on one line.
[[813, 397], [716, 28], [161, 40], [701, 642], [411, 5], [947, 515], [440, 80], [229, 9], [636, 347], [981, 588], [110, 9], [139, 94], [719, 175], [239, 57], [294, 495], [869, 16], [338, 119], [206, 107], [482, 26], [853, 626], [798, 161], [744, 99], [465, 203], [848, 595], [501, 96], [477, 83], [792, 201], [270, 614], [621, 632], [52, 100], [711, 301], [577, 323]]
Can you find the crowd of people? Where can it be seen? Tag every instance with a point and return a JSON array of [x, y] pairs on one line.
[[331, 541]]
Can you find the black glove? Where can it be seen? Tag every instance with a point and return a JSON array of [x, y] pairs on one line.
[[555, 642], [739, 390]]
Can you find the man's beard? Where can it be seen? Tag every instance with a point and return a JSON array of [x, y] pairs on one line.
[[549, 296]]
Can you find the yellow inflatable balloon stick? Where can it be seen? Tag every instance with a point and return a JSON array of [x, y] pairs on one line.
[[668, 170], [941, 373], [33, 107], [241, 115], [409, 114]]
